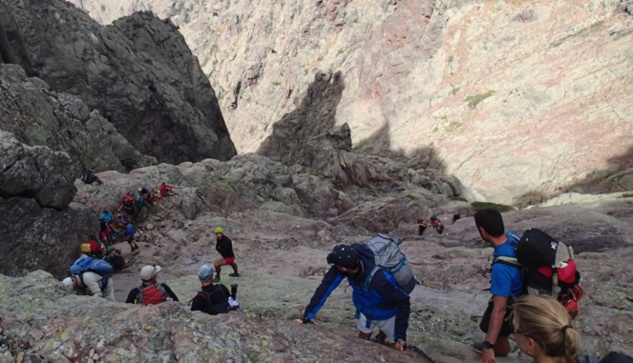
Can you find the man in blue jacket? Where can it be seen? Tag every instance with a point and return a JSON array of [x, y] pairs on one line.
[[379, 302]]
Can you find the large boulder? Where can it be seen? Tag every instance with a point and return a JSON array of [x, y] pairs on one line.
[[41, 228], [38, 115], [139, 74], [35, 172]]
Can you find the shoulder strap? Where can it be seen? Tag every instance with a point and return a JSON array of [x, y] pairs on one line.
[[370, 275], [507, 260]]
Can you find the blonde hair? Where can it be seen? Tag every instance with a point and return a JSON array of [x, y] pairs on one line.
[[546, 321]]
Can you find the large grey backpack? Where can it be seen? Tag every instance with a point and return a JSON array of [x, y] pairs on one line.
[[387, 256]]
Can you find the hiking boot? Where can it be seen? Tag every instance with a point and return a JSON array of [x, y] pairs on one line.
[[234, 274], [217, 278], [380, 337]]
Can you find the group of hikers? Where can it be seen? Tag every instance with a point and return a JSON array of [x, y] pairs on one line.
[[539, 316], [91, 274], [130, 211], [436, 223], [540, 320]]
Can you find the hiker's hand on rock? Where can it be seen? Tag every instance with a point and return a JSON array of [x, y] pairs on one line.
[[488, 356], [400, 345]]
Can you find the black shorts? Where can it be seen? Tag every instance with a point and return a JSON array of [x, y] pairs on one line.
[[506, 326]]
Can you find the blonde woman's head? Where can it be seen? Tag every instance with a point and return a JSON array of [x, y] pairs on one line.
[[542, 329]]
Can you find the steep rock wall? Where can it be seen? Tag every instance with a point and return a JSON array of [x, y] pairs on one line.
[[539, 90], [138, 73]]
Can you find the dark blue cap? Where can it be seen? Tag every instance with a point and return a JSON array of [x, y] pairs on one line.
[[343, 256]]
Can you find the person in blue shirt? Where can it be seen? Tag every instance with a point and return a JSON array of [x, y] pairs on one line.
[[129, 237], [505, 285], [380, 303]]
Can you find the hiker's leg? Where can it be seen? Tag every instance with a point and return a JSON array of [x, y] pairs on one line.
[[365, 328], [502, 347], [387, 328], [218, 265], [234, 265]]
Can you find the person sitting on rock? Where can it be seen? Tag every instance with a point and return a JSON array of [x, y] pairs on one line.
[[213, 299], [166, 190], [91, 283], [150, 292], [89, 176], [379, 302], [225, 247]]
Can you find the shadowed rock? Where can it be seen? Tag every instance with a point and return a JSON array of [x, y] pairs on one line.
[[139, 74]]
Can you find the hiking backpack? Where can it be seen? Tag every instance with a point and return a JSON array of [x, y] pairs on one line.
[[85, 263], [152, 294], [548, 268], [86, 176], [389, 257], [117, 261], [216, 301]]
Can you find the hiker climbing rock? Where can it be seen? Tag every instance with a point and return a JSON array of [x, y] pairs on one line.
[[224, 246], [380, 303], [115, 258], [150, 292], [89, 176], [127, 204], [213, 299], [421, 226], [505, 285], [107, 230], [91, 276], [436, 223], [129, 237]]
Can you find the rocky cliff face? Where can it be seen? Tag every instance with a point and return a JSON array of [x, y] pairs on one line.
[[138, 73], [40, 225], [538, 90]]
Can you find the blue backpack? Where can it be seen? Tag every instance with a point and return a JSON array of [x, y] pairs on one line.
[[83, 264]]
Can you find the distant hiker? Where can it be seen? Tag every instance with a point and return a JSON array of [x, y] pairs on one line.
[[91, 276], [213, 299], [91, 248], [166, 190], [380, 303], [421, 226], [107, 229], [146, 195], [225, 247], [456, 217], [129, 237], [542, 330], [436, 223], [150, 292], [114, 257], [123, 220], [88, 176], [127, 204], [505, 285]]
